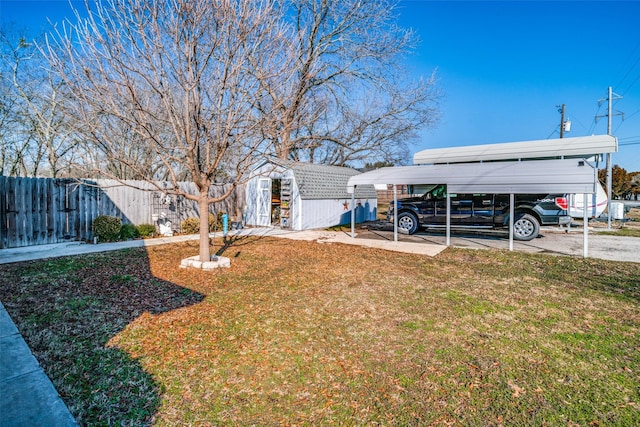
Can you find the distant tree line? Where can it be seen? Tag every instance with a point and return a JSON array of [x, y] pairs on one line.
[[624, 185]]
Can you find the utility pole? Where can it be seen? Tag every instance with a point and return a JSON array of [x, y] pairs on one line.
[[562, 121], [610, 97], [609, 173], [565, 125]]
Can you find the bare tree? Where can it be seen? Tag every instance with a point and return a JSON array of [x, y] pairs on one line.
[[16, 145], [12, 147], [344, 98], [181, 76], [40, 136], [128, 156]]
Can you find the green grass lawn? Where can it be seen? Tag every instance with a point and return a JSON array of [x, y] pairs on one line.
[[623, 232], [301, 333]]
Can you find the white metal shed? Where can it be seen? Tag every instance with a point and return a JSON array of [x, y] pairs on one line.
[[302, 196]]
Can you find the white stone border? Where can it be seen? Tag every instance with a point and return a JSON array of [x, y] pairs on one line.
[[194, 262]]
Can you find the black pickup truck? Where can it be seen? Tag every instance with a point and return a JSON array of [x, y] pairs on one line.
[[481, 211]]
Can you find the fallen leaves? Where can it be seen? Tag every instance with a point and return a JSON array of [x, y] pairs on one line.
[[517, 390], [308, 334]]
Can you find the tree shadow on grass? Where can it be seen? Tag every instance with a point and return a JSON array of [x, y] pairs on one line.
[[232, 241], [67, 309], [237, 241]]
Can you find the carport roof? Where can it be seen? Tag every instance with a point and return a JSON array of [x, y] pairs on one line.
[[572, 176], [584, 146]]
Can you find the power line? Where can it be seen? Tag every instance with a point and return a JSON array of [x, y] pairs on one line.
[[633, 114], [574, 119], [623, 118], [611, 96], [630, 140], [630, 69], [594, 122], [632, 83]]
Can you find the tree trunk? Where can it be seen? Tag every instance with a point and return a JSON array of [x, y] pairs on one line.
[[203, 207]]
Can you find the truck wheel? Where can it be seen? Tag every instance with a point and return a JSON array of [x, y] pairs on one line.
[[525, 228], [408, 222]]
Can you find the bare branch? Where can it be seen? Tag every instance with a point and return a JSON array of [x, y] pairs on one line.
[[342, 67], [172, 82]]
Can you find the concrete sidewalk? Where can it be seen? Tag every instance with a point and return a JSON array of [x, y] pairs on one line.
[[28, 398], [79, 248], [320, 236], [29, 253]]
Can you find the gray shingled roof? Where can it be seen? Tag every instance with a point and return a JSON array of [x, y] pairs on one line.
[[326, 182]]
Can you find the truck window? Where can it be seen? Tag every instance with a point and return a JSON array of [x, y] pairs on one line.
[[440, 192]]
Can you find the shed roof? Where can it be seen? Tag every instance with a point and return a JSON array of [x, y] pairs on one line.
[[327, 182], [531, 177], [584, 146], [316, 181]]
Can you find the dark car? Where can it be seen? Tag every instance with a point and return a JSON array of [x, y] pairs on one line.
[[481, 211]]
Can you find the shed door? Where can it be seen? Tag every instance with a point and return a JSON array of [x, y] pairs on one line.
[[264, 202]]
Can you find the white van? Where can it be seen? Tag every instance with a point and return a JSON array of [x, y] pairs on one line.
[[596, 205]]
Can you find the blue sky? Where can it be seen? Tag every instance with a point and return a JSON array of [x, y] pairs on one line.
[[504, 66]]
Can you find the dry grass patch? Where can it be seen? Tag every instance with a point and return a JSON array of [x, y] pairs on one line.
[[301, 333], [629, 228]]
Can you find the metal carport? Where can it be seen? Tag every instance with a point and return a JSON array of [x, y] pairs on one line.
[[559, 148], [571, 176], [582, 146]]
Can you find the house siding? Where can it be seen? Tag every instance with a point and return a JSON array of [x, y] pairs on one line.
[[330, 212]]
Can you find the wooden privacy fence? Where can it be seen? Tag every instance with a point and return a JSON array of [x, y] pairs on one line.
[[37, 211]]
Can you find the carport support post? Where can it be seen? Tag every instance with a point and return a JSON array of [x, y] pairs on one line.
[[448, 224], [353, 213], [585, 228], [512, 210], [395, 213]]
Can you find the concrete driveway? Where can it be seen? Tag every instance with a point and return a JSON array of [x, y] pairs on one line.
[[552, 240]]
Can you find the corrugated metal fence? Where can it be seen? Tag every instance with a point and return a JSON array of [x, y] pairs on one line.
[[37, 211]]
